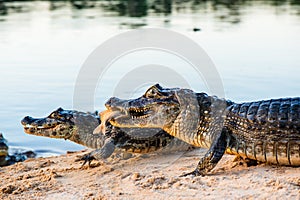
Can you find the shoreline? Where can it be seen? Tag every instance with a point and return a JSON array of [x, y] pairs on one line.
[[155, 176]]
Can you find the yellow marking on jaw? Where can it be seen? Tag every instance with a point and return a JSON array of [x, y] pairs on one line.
[[105, 116]]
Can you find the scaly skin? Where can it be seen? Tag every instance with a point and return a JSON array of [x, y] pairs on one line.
[[79, 126], [6, 159], [266, 131], [3, 150]]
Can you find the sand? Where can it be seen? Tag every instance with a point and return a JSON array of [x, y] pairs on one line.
[[150, 176]]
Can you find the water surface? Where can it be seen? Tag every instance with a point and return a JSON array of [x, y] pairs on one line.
[[43, 44]]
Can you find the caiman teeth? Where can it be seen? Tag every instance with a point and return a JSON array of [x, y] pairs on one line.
[[139, 110], [28, 126], [140, 117]]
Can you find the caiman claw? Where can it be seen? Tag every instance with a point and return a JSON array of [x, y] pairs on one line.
[[193, 173], [87, 158]]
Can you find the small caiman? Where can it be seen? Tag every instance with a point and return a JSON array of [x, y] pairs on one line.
[[7, 159], [79, 126]]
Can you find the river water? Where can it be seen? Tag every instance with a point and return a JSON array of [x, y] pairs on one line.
[[43, 45]]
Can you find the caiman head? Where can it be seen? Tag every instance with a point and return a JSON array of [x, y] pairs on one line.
[[3, 146], [159, 107], [60, 124]]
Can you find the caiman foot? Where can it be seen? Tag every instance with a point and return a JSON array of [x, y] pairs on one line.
[[193, 173], [87, 158], [99, 154]]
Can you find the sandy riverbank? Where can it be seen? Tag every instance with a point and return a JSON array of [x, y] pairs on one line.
[[152, 176]]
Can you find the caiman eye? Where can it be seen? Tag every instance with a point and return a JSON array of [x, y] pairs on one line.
[[57, 113], [152, 93], [54, 115]]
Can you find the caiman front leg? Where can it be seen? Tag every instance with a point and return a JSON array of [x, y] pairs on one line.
[[212, 156], [99, 154], [106, 150]]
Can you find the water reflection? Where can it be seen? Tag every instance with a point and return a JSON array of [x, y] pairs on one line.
[[3, 8], [82, 4], [129, 8], [7, 7], [162, 6], [230, 10], [55, 5], [43, 44]]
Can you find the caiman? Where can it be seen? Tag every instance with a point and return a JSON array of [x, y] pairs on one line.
[[6, 159], [79, 127], [266, 131]]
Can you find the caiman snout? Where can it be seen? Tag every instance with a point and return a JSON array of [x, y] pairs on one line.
[[27, 120], [36, 122], [115, 103]]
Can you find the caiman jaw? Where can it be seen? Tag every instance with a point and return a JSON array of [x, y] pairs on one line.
[[57, 131], [51, 126], [157, 108], [29, 129], [135, 117], [125, 117], [32, 125], [139, 113], [109, 116]]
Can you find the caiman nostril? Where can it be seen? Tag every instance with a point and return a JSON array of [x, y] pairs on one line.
[[26, 120], [111, 102]]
